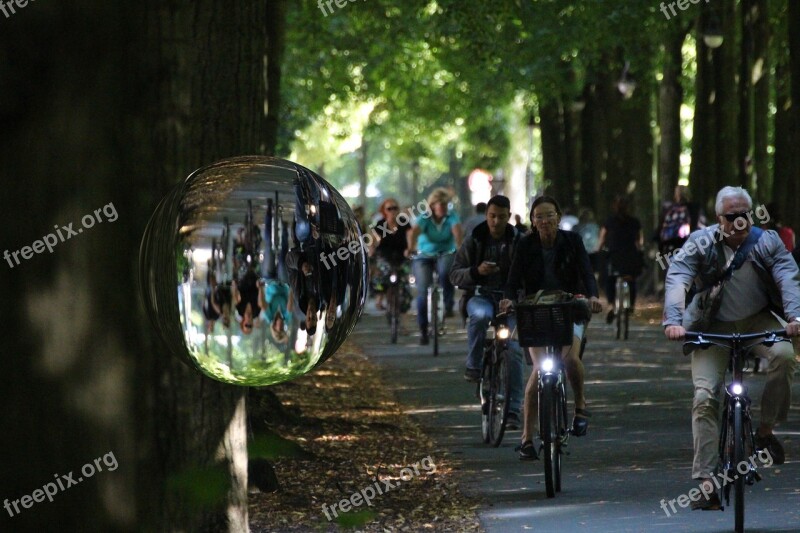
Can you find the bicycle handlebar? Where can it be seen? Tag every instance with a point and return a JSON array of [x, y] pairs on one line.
[[706, 340]]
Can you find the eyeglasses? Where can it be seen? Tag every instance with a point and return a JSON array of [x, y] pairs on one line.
[[546, 216], [731, 217], [392, 208]]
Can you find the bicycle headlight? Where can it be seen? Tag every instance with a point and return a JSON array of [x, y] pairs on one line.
[[503, 333], [393, 278], [737, 389], [547, 365]]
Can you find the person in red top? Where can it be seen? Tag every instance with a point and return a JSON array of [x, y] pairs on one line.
[[776, 223]]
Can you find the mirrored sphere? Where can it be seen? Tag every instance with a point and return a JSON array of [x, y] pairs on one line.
[[253, 270]]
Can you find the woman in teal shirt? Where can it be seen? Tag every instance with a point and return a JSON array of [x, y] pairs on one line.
[[439, 231]]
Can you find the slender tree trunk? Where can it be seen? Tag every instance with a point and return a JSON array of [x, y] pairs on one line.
[[746, 50], [704, 140], [362, 172], [552, 148], [725, 104], [670, 99], [761, 97]]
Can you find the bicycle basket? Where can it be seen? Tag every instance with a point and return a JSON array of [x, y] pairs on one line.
[[545, 324]]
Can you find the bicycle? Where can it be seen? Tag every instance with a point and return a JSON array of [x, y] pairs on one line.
[[397, 277], [494, 388], [436, 314], [548, 321], [736, 438], [622, 304]]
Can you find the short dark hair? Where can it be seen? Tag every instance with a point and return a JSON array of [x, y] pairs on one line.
[[500, 201], [480, 207]]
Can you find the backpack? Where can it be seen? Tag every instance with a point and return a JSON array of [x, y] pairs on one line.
[[676, 224]]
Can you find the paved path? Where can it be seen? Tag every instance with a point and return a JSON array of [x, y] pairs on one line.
[[638, 450]]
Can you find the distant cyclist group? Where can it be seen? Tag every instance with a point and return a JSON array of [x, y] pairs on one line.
[[727, 278]]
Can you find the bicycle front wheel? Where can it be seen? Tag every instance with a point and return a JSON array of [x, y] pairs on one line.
[[738, 459], [501, 390], [485, 392], [548, 410]]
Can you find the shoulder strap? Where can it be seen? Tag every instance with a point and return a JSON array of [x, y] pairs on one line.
[[743, 251]]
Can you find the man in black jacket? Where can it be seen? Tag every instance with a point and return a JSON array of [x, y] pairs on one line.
[[480, 267]]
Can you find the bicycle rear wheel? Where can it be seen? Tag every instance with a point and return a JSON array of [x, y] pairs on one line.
[[618, 307], [548, 423], [626, 304], [501, 390], [738, 459]]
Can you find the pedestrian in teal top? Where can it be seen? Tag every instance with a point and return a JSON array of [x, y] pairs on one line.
[[438, 231]]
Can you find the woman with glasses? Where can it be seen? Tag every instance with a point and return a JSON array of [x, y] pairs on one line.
[[552, 259], [389, 244], [436, 232]]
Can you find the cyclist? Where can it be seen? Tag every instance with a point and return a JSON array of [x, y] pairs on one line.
[[622, 236], [438, 233], [552, 259], [744, 275], [389, 245], [482, 262]]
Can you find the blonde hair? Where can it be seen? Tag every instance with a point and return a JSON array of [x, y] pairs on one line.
[[439, 194]]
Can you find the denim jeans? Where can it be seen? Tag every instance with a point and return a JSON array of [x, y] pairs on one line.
[[481, 311], [423, 273]]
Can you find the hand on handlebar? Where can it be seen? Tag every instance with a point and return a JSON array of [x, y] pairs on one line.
[[408, 252], [793, 329], [675, 333], [595, 305], [505, 304]]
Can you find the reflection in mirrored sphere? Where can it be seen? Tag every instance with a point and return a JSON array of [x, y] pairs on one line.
[[254, 270]]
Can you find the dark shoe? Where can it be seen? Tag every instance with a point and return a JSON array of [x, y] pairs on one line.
[[527, 451], [449, 313], [772, 445], [580, 422], [423, 337], [512, 421], [711, 503], [610, 317], [473, 375]]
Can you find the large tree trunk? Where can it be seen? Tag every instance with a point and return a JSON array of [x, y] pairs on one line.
[[128, 100], [704, 140]]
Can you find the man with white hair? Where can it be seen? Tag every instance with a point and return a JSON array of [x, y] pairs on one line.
[[763, 293]]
